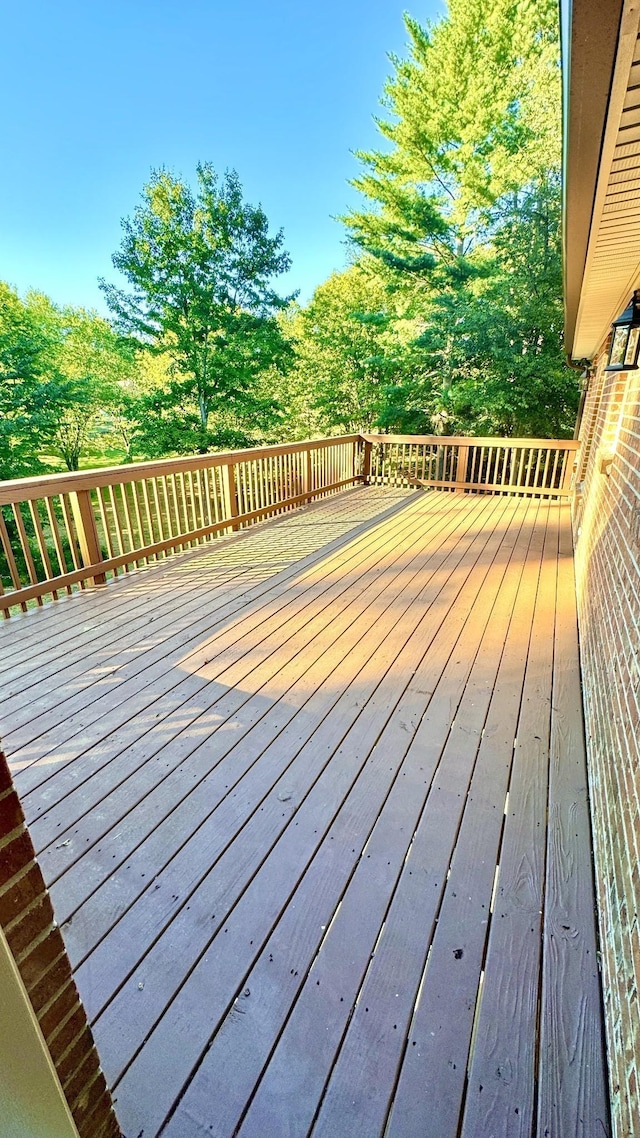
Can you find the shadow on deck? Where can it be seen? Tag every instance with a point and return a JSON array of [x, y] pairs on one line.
[[312, 807]]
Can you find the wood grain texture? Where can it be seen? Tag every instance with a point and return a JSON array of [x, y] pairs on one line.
[[500, 1098], [448, 924], [572, 1085]]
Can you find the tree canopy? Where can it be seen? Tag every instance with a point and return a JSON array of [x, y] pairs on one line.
[[462, 216], [352, 346], [201, 267]]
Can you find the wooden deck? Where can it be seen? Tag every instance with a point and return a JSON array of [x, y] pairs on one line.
[[312, 806]]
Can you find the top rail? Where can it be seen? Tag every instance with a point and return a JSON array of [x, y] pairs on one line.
[[40, 486], [473, 441], [59, 532]]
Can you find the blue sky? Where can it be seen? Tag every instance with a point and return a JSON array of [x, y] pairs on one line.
[[97, 92]]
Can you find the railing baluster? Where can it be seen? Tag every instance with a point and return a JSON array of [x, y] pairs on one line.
[[155, 489], [175, 525], [42, 544], [25, 546], [117, 525], [126, 509], [8, 551], [57, 540], [537, 470], [552, 481], [134, 488], [71, 533], [567, 471], [163, 485], [546, 469]]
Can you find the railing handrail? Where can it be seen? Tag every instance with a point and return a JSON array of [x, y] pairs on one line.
[[68, 481], [473, 440]]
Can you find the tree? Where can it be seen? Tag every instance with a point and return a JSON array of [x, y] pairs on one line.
[[30, 384], [95, 364], [201, 266], [475, 116], [462, 217], [351, 345], [494, 351]]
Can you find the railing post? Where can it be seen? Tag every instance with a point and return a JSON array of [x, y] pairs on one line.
[[366, 462], [462, 459], [230, 493], [86, 529], [571, 464]]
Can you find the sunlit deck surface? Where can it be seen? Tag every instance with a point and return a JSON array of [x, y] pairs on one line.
[[312, 806]]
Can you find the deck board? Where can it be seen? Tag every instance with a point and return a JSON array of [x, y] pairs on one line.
[[290, 795]]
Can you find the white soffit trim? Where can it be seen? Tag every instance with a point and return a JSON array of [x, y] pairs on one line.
[[612, 268]]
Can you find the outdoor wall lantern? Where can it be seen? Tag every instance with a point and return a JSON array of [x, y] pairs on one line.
[[625, 342]]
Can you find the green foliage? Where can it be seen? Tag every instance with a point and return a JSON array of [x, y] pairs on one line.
[[96, 364], [462, 217], [474, 115], [27, 383], [450, 317], [350, 343], [61, 372], [494, 350], [200, 266]]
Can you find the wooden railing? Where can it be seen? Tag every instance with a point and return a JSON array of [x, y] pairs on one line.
[[60, 531], [540, 467]]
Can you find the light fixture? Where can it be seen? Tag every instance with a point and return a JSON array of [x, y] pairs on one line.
[[625, 342]]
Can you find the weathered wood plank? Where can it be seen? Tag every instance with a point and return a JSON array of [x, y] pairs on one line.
[[443, 1017], [139, 688], [186, 626], [29, 630], [500, 1097], [148, 733], [82, 785], [285, 808], [572, 1088]]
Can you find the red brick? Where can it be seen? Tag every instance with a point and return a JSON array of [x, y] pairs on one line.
[[6, 780], [608, 585], [65, 1001], [14, 856], [88, 1098], [11, 815], [62, 1035], [40, 959], [48, 986], [100, 1121], [20, 894], [68, 1066], [31, 926]]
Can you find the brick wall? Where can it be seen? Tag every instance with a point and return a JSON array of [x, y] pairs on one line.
[[607, 532], [27, 919]]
